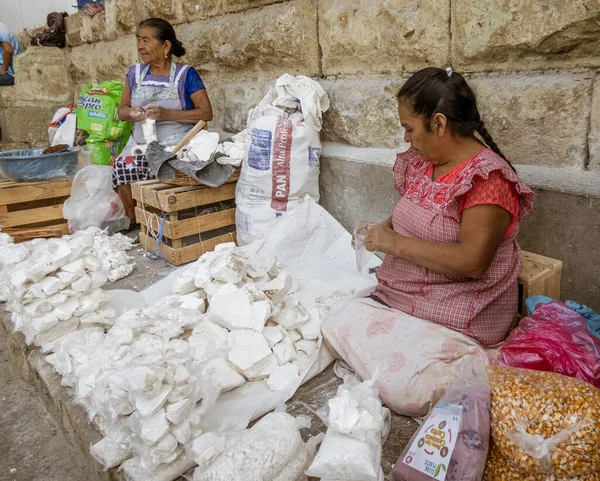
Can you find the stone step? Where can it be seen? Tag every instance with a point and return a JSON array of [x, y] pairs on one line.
[[6, 146]]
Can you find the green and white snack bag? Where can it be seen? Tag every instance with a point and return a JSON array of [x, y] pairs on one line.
[[97, 115]]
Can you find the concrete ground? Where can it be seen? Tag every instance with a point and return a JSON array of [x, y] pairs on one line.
[[44, 437]]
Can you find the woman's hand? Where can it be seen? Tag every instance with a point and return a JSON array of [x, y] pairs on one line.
[[361, 229], [381, 238], [157, 113], [137, 114]]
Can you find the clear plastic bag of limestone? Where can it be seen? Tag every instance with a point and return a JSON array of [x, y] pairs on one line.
[[357, 428]]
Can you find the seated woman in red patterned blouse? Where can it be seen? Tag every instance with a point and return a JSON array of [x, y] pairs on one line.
[[451, 244]]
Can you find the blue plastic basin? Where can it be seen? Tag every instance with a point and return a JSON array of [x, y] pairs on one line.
[[30, 165]]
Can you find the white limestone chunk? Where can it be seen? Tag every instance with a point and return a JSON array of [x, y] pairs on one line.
[[155, 427], [252, 289], [261, 311], [202, 276], [118, 336], [13, 254], [110, 453], [277, 289], [182, 431], [184, 283], [306, 346], [294, 335], [208, 338], [249, 349], [67, 310], [311, 329], [180, 410], [42, 323], [207, 447], [148, 406], [83, 284], [144, 380], [37, 308], [220, 373], [51, 285], [60, 252], [75, 267], [66, 277], [293, 315], [228, 269], [92, 263], [92, 301], [58, 299], [233, 308], [284, 351], [46, 339], [98, 279], [264, 371], [181, 374], [274, 334], [283, 376], [194, 302]]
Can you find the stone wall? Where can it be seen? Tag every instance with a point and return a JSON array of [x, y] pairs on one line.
[[533, 64]]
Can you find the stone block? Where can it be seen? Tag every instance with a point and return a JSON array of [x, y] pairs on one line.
[[594, 137], [28, 124], [353, 190], [567, 227], [42, 76], [120, 18], [93, 29], [200, 10], [102, 61], [261, 42], [6, 146], [231, 103], [537, 119], [383, 36], [516, 34], [73, 25], [363, 111], [238, 5], [170, 10]]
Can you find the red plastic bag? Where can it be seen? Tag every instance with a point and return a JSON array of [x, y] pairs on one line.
[[555, 338]]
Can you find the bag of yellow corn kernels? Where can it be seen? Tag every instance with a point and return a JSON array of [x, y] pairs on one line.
[[498, 468], [545, 423]]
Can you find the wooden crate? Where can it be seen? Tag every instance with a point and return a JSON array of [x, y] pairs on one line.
[[186, 234], [33, 209], [540, 276]]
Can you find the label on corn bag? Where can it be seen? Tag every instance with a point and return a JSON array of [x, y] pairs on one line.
[[432, 449]]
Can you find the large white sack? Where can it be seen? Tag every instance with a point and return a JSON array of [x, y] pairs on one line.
[[281, 164]]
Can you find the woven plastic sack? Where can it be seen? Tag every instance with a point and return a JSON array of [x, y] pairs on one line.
[[554, 338], [452, 443], [97, 115], [544, 423]]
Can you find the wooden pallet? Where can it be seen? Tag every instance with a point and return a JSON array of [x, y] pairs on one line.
[[33, 209], [540, 276], [186, 234]]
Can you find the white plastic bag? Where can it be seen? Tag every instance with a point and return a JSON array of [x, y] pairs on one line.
[[357, 428], [57, 120], [282, 155], [93, 202], [66, 132]]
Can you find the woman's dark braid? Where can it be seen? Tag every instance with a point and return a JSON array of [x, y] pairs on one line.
[[487, 138]]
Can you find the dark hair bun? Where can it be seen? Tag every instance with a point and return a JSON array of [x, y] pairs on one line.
[[178, 48]]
